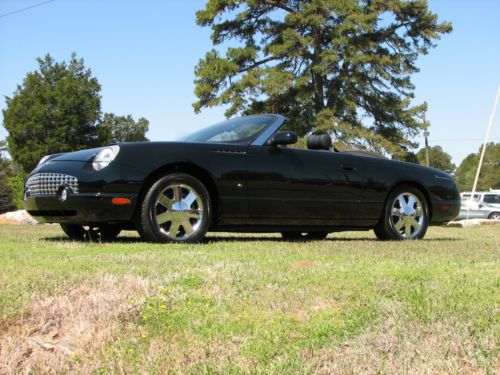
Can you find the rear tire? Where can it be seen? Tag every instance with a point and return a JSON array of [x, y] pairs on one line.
[[405, 216], [176, 208], [300, 236], [105, 232], [74, 231]]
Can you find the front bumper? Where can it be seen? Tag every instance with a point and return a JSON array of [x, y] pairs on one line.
[[84, 209], [445, 210], [89, 193]]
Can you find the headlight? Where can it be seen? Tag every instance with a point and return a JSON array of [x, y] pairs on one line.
[[104, 157], [43, 160]]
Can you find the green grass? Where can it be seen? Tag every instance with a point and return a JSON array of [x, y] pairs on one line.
[[253, 303]]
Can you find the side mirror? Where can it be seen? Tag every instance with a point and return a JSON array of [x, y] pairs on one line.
[[283, 138], [480, 205]]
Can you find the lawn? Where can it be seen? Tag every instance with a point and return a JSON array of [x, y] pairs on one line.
[[250, 304]]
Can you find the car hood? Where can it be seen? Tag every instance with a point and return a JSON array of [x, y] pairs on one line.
[[82, 155]]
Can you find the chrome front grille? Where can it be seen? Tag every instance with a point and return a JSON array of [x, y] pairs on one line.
[[49, 183]]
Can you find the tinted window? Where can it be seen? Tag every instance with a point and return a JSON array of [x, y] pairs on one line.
[[466, 197], [241, 130], [492, 198]]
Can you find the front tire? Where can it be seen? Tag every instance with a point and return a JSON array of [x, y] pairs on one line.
[[176, 208], [494, 216], [105, 232], [405, 216]]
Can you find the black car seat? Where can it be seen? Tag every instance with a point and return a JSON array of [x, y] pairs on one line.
[[319, 141]]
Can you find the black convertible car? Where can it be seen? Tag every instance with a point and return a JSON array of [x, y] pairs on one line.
[[238, 175]]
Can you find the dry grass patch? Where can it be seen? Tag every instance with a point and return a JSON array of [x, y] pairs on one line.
[[402, 346], [185, 353], [300, 265], [72, 245], [59, 332]]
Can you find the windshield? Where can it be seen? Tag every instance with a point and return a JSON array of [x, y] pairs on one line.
[[242, 130]]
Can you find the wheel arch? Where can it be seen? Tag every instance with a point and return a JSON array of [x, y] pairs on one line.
[[188, 168]]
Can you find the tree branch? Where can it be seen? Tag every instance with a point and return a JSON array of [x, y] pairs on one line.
[[257, 63], [281, 6]]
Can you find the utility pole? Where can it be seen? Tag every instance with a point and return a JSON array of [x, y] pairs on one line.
[[426, 135], [486, 139], [485, 143]]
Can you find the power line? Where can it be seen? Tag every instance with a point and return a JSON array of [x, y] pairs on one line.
[[24, 9]]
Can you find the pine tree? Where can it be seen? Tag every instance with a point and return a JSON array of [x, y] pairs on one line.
[[337, 65], [56, 109]]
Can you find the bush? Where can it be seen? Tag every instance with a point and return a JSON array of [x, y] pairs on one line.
[[16, 184], [6, 203]]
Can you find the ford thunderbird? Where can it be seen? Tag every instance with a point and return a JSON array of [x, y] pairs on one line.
[[241, 175]]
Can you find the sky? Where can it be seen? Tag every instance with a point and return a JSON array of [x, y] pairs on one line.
[[144, 53]]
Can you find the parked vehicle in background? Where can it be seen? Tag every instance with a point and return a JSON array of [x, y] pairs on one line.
[[474, 209], [491, 197]]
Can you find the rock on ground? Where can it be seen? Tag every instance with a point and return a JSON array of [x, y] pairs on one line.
[[17, 217]]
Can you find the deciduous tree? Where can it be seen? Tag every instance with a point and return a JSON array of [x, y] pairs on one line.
[[438, 158], [6, 198], [114, 128], [489, 177]]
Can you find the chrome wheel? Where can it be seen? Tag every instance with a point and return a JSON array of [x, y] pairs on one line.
[[494, 216], [407, 215], [178, 211]]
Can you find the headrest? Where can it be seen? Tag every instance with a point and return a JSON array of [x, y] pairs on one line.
[[319, 141]]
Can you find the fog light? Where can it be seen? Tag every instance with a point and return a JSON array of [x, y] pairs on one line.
[[63, 194]]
